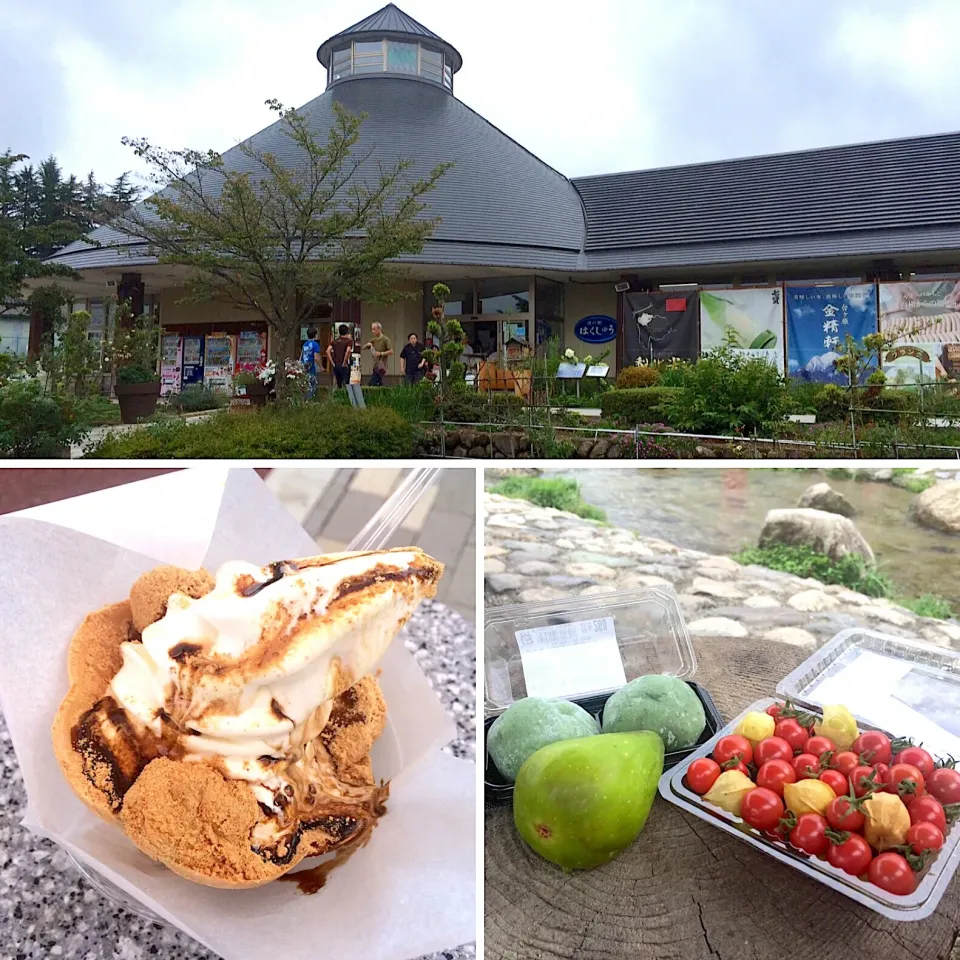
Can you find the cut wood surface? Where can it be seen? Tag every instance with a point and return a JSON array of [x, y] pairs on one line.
[[686, 890]]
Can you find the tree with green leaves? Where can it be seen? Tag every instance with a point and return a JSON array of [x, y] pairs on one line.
[[278, 239], [448, 337]]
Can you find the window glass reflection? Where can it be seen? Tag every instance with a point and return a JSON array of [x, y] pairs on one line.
[[504, 295], [402, 57]]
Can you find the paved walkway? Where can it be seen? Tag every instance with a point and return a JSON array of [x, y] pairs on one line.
[[333, 505]]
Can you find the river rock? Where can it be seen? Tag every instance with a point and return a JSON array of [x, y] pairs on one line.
[[938, 507], [501, 582], [541, 551], [715, 588], [492, 565], [821, 496], [824, 532], [761, 602], [813, 601], [599, 450], [887, 615], [792, 635], [583, 451], [595, 571], [717, 627], [535, 568]]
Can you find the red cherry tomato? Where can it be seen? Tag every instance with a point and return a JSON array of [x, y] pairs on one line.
[[774, 774], [918, 757], [906, 781], [790, 730], [873, 746], [924, 836], [927, 809], [737, 765], [891, 872], [841, 815], [863, 781], [818, 746], [836, 781], [810, 834], [881, 774], [732, 746], [853, 855], [702, 774], [773, 748], [774, 710], [845, 761], [806, 765], [761, 808], [944, 784]]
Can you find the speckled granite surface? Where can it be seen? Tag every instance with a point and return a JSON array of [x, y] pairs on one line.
[[48, 910]]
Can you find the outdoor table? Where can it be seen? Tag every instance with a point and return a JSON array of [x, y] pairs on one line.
[[686, 889]]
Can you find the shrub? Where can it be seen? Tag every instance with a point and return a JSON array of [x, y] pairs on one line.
[[631, 378], [642, 405], [35, 425], [929, 605], [196, 397], [831, 403], [467, 406], [96, 411], [557, 492], [316, 431]]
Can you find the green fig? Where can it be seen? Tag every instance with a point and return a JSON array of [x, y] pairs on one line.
[[580, 803]]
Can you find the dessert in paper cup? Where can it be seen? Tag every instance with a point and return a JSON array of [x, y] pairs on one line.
[[226, 724]]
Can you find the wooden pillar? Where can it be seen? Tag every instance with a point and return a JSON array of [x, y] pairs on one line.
[[131, 287], [35, 341]]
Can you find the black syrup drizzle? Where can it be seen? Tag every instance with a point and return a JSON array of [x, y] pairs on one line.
[[278, 571]]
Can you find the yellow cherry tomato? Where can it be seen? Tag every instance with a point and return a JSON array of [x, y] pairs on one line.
[[729, 790], [807, 796]]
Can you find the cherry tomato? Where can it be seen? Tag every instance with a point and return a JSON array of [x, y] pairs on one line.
[[852, 856], [761, 808], [845, 761], [881, 774], [702, 774], [927, 809], [810, 834], [841, 815], [906, 781], [790, 730], [918, 757], [773, 748], [862, 781], [944, 784], [737, 765], [774, 774], [836, 781], [730, 746], [873, 746], [924, 836], [818, 746], [775, 709], [891, 872], [806, 765]]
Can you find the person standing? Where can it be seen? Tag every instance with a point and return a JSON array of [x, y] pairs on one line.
[[411, 357], [308, 360], [382, 348], [339, 353]]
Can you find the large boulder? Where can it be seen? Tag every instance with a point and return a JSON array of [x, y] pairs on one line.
[[824, 532], [821, 496], [938, 507]]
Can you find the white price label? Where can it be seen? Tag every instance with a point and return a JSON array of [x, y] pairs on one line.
[[571, 659]]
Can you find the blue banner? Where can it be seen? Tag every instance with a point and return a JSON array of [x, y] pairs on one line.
[[818, 322], [596, 329]]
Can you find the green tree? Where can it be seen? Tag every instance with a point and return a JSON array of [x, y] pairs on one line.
[[277, 238], [448, 334]]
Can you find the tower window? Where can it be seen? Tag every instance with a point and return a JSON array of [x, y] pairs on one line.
[[431, 65], [368, 57], [401, 57]]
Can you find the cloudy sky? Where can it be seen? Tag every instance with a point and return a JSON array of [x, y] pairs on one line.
[[619, 85]]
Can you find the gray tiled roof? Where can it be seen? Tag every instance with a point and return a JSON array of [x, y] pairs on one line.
[[892, 185]]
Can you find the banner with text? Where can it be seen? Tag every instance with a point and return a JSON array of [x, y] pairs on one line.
[[749, 321], [818, 322], [660, 326], [925, 318]]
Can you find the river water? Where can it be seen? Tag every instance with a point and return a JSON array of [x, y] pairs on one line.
[[721, 511]]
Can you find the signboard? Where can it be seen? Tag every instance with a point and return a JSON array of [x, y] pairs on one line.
[[819, 319], [925, 318], [192, 360], [749, 321], [571, 371], [171, 364], [218, 362], [596, 329], [660, 326]]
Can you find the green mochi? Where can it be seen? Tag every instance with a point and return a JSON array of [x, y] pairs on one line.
[[532, 723], [666, 705]]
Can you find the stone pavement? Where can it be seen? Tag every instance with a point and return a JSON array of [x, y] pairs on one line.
[[334, 504], [535, 553]]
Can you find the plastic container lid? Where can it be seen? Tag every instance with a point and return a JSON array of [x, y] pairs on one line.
[[570, 649], [905, 687]]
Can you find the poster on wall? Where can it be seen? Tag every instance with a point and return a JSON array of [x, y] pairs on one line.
[[660, 326], [251, 350], [218, 362], [192, 360], [749, 321], [924, 317], [171, 364], [819, 319]]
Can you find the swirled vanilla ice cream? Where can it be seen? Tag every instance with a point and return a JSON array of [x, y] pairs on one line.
[[257, 691]]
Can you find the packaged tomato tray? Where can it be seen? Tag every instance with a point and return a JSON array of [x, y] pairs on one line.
[[848, 776]]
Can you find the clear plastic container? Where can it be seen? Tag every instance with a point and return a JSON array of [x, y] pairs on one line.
[[906, 689], [584, 649]]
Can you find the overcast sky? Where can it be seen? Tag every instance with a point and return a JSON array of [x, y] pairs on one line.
[[617, 85]]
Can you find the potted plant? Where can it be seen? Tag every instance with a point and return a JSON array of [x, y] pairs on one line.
[[137, 389], [133, 354], [250, 384]]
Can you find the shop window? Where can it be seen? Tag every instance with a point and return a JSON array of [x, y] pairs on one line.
[[402, 57], [459, 303], [504, 295], [368, 56], [431, 65]]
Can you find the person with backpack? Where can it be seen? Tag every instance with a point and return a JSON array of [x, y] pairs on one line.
[[338, 355]]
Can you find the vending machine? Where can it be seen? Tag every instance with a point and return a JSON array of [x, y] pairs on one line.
[[192, 360], [171, 364], [219, 358], [251, 350]]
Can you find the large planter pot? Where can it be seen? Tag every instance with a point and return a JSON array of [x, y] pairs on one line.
[[137, 400], [256, 393]]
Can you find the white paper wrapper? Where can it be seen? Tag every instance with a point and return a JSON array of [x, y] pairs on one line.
[[410, 891]]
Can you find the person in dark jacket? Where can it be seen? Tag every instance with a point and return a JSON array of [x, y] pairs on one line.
[[411, 360]]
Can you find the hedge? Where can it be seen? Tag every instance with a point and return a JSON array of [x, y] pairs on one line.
[[315, 431], [641, 405]]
